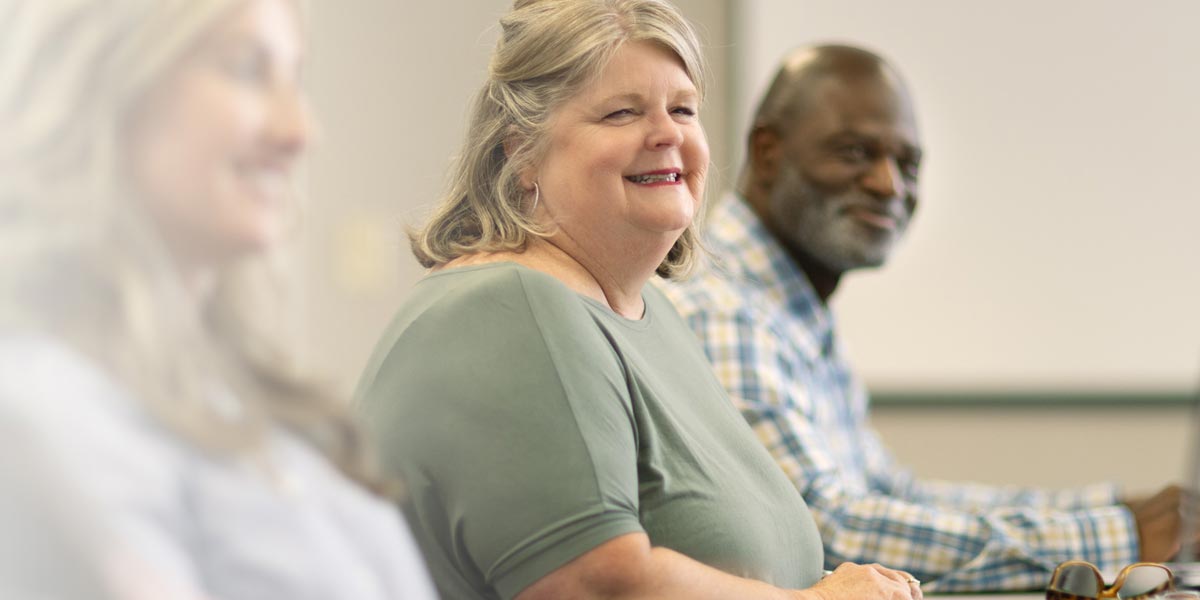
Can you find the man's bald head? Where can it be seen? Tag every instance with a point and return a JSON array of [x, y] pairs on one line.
[[801, 70]]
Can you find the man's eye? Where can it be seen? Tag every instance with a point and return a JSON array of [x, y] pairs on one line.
[[853, 153]]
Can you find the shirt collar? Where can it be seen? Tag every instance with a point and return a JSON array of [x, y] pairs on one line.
[[742, 245]]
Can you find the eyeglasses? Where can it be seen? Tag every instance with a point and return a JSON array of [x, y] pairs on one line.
[[1078, 580]]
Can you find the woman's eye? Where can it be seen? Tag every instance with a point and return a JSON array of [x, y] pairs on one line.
[[247, 67], [618, 114], [686, 111]]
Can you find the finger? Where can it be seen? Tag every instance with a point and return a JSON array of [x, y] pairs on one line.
[[898, 576], [914, 584], [845, 566], [912, 581], [1165, 499], [886, 572], [1170, 497], [917, 594], [1158, 506]]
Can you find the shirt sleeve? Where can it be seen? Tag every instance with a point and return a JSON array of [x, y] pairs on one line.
[[957, 538], [508, 416]]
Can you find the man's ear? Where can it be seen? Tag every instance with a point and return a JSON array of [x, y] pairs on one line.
[[765, 147]]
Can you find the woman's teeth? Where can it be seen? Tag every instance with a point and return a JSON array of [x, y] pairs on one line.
[[671, 177]]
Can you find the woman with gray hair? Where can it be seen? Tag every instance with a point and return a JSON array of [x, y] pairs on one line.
[[556, 423], [144, 180]]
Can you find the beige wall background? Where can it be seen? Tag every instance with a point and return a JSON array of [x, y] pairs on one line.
[[391, 80]]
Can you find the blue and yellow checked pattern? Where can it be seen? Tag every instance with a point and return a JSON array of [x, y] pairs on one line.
[[773, 345]]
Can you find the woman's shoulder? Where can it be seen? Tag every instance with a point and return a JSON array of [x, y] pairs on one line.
[[39, 372], [51, 384], [505, 294], [499, 276], [88, 427], [511, 318], [76, 405]]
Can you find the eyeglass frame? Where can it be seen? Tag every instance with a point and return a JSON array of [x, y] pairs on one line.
[[1109, 591]]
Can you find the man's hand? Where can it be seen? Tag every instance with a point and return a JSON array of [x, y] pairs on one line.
[[1159, 521]]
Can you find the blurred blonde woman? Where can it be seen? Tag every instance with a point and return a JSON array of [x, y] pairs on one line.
[[559, 429], [145, 177]]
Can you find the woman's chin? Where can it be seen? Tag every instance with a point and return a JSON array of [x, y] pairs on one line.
[[668, 218], [249, 243], [673, 225]]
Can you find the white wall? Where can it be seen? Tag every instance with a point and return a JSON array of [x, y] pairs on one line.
[[1056, 246]]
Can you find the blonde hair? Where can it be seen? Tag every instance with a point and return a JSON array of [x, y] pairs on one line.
[[81, 261], [548, 50]]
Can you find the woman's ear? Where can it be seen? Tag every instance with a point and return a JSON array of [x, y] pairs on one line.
[[513, 143]]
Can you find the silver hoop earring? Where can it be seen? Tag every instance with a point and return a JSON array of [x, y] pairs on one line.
[[537, 194]]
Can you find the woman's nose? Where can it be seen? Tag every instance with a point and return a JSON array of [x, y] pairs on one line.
[[291, 124], [664, 132]]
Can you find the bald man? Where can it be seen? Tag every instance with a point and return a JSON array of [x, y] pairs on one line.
[[830, 185]]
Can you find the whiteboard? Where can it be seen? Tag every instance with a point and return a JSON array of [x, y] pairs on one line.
[[1057, 244]]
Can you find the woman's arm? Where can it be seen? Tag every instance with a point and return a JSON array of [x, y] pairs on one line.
[[629, 568]]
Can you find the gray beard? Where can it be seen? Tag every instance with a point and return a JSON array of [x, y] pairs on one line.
[[816, 224]]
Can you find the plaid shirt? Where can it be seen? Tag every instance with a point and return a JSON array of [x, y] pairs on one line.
[[773, 345]]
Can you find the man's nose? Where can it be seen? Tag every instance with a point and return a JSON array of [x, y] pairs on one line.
[[884, 179]]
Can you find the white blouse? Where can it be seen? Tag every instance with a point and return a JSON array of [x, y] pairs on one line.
[[193, 524]]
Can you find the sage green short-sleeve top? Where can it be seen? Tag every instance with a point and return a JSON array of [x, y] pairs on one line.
[[531, 424]]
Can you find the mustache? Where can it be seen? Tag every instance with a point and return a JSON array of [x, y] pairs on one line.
[[895, 208]]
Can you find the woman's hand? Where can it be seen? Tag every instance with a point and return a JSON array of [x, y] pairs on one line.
[[864, 582]]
